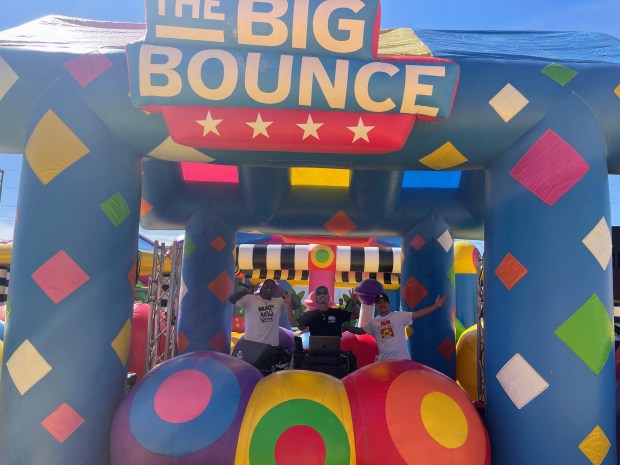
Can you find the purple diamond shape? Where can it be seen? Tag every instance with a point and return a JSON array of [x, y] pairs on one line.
[[60, 276], [550, 168]]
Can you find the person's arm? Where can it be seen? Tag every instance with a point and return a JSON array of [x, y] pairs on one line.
[[439, 301], [237, 296], [352, 329], [355, 305], [289, 308]]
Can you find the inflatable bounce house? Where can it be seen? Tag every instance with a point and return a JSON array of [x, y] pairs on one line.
[[303, 118]]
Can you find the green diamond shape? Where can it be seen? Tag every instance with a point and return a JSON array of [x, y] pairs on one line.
[[460, 329], [116, 209], [560, 74], [589, 333], [450, 275], [189, 247]]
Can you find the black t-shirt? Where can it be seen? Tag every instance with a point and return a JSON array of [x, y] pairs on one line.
[[327, 323]]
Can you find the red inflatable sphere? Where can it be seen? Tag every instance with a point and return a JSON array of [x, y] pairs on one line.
[[364, 347], [405, 413]]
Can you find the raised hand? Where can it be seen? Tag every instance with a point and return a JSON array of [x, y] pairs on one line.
[[354, 296], [439, 301]]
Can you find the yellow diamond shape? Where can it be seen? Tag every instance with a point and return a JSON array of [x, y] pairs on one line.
[[446, 156], [122, 342], [617, 91], [595, 446], [53, 147], [27, 367], [171, 151]]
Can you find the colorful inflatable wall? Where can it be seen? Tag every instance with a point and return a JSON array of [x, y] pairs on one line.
[[224, 118]]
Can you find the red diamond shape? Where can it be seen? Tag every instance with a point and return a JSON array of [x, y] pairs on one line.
[[59, 277], [550, 168], [510, 271], [182, 342], [413, 292], [417, 242], [219, 343], [447, 348], [218, 244], [62, 422], [340, 224], [86, 68], [221, 286]]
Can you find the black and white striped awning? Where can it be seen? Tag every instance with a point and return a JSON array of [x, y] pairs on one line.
[[295, 257]]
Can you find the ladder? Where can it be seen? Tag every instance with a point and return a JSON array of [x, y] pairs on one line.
[[163, 297]]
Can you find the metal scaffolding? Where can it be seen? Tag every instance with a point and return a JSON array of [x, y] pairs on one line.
[[163, 298]]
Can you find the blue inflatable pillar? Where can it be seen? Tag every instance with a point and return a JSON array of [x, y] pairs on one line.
[[427, 272], [466, 266], [205, 318], [549, 367], [73, 272]]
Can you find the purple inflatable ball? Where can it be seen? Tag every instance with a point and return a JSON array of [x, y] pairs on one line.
[[368, 290], [186, 411], [286, 338]]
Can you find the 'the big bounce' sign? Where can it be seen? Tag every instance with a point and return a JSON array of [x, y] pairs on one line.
[[305, 60]]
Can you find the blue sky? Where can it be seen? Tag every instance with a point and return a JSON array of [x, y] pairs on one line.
[[550, 15]]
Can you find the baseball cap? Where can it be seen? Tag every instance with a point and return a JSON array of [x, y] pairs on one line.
[[382, 295]]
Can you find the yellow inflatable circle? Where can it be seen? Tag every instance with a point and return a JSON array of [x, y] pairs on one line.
[[465, 258], [444, 420]]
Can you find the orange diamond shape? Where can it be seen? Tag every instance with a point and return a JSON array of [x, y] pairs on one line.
[[182, 342], [221, 286], [447, 348], [510, 271], [132, 275], [340, 224], [413, 292], [218, 244], [219, 342], [145, 207]]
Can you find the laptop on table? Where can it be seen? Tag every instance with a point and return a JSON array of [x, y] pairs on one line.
[[324, 345]]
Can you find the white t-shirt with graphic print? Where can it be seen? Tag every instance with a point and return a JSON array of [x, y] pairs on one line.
[[389, 332], [261, 318]]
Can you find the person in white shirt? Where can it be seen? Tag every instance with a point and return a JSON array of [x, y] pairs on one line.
[[262, 312], [388, 328]]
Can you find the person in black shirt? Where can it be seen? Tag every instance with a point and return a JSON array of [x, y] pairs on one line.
[[325, 321]]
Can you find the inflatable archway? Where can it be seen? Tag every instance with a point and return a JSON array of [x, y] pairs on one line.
[[509, 136]]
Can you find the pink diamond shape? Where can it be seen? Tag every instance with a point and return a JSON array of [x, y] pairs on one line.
[[86, 68], [550, 168], [59, 277], [417, 242], [62, 422]]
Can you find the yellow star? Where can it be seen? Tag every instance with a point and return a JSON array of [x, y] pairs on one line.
[[209, 125], [260, 127], [360, 131], [310, 128]]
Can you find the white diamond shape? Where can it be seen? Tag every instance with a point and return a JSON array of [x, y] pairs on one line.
[[508, 102], [598, 242], [27, 367], [520, 381], [182, 291], [445, 240], [8, 78]]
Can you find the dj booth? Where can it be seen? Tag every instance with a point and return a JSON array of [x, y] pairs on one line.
[[324, 355]]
